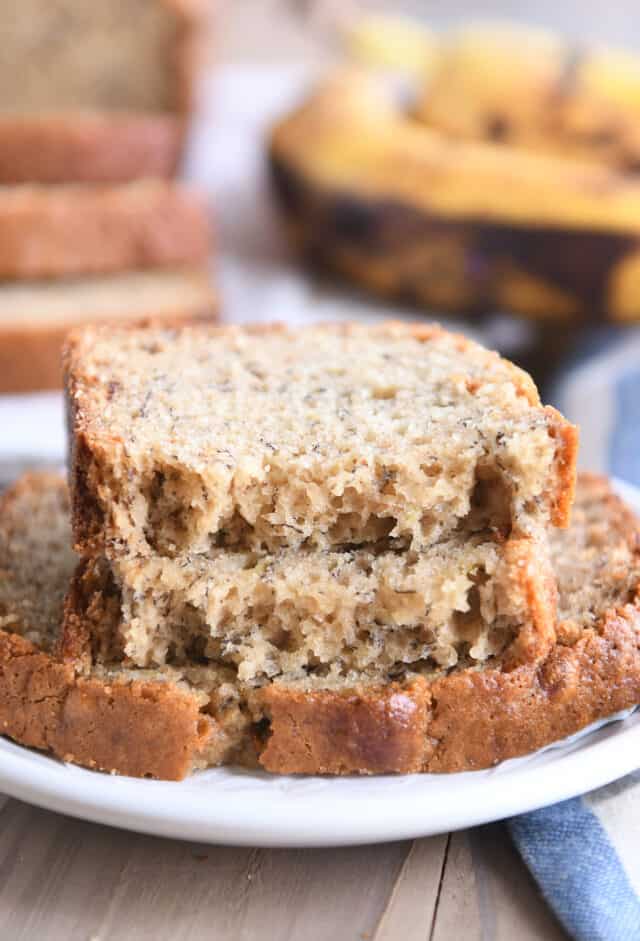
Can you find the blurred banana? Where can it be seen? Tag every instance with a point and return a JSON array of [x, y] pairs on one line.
[[462, 225]]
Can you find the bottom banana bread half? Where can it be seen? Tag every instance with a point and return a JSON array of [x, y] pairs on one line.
[[169, 721], [301, 613]]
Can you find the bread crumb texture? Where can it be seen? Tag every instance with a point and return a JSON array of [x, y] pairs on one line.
[[201, 438], [36, 559], [329, 613], [165, 722]]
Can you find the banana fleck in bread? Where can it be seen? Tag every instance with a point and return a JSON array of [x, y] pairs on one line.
[[63, 231], [35, 316], [168, 722], [199, 438], [97, 92], [463, 225]]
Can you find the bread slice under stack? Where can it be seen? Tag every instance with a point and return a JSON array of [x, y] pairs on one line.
[[168, 722]]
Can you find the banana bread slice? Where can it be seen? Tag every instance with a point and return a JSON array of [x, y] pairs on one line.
[[327, 614], [88, 147], [168, 722], [96, 92], [61, 231], [36, 316], [199, 438]]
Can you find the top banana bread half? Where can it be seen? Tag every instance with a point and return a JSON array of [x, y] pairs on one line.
[[395, 436]]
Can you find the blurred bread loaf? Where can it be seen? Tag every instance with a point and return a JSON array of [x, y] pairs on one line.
[[79, 253], [36, 316], [95, 100], [99, 92]]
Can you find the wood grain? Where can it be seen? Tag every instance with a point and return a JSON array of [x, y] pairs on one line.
[[67, 880], [488, 895], [410, 910]]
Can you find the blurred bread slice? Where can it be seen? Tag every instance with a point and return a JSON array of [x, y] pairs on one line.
[[57, 231], [36, 316], [99, 92], [89, 148]]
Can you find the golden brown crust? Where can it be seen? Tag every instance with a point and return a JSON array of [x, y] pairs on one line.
[[360, 731], [91, 608], [568, 436], [531, 567], [482, 718], [89, 148], [50, 232], [468, 720], [138, 729]]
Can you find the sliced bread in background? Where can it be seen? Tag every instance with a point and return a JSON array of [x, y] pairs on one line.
[[59, 231], [89, 148], [36, 316], [98, 92]]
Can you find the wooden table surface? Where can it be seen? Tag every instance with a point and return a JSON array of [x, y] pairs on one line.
[[66, 880]]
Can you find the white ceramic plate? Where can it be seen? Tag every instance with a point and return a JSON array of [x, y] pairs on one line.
[[256, 809]]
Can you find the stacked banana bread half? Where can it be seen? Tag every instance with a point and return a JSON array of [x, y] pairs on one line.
[[335, 550]]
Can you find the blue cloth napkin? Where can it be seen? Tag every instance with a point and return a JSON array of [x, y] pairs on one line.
[[585, 853]]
